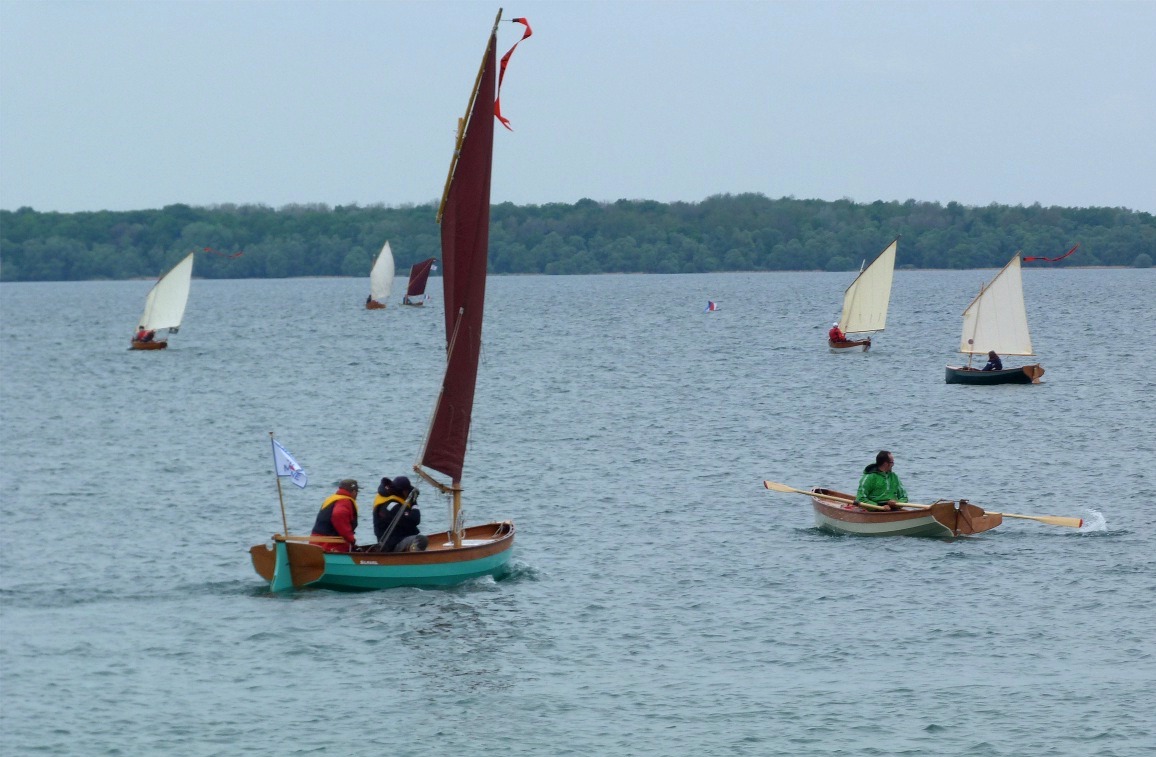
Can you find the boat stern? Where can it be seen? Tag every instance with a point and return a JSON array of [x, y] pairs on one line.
[[288, 565]]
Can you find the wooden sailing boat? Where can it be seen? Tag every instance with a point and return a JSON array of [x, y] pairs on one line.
[[996, 321], [865, 302], [380, 279], [418, 276], [459, 553], [165, 306]]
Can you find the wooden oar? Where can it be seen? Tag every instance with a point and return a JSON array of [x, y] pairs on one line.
[[1051, 520], [790, 489]]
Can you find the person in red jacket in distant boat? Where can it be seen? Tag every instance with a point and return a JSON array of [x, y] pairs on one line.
[[836, 334], [338, 517]]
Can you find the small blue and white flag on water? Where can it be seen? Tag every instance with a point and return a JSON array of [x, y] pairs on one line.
[[287, 466], [711, 306]]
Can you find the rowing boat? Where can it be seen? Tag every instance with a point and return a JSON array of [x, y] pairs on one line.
[[836, 511]]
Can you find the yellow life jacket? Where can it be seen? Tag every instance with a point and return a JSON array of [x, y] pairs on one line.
[[334, 497]]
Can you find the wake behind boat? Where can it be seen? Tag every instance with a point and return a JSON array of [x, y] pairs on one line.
[[164, 306], [865, 303], [996, 321], [458, 553]]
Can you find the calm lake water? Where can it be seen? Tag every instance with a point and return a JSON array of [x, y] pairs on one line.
[[660, 602]]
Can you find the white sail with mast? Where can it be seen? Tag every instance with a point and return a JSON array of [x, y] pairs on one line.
[[165, 304], [996, 319], [381, 276], [865, 302]]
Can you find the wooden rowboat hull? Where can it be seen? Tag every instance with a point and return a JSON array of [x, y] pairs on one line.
[[943, 520], [855, 345], [289, 564], [374, 305], [1028, 374], [135, 345]]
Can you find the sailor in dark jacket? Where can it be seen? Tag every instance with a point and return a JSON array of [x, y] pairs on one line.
[[993, 362], [405, 537]]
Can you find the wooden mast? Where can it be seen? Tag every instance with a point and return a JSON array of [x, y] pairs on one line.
[[464, 125]]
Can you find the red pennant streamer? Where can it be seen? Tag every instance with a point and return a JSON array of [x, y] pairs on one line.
[[230, 257], [1052, 260], [502, 71]]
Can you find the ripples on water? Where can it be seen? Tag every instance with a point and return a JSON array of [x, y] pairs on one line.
[[660, 601]]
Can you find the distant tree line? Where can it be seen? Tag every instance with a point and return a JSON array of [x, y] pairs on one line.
[[746, 232]]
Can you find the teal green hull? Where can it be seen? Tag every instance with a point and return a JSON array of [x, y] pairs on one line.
[[293, 564], [342, 573]]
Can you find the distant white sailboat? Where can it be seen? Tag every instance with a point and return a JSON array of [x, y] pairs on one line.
[[996, 321], [380, 279], [164, 306], [866, 301]]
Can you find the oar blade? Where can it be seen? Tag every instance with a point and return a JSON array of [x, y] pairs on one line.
[[777, 487], [1059, 520]]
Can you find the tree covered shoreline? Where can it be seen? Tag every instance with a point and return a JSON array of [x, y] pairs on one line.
[[746, 232]]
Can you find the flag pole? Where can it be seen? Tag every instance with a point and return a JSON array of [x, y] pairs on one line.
[[277, 477]]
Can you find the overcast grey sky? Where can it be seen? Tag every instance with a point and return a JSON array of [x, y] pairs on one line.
[[131, 105]]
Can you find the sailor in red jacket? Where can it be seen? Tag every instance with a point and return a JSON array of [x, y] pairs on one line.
[[338, 517], [836, 334]]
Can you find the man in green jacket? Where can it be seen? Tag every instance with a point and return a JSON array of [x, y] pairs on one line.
[[879, 486]]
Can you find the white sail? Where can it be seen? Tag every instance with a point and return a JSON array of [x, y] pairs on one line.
[[865, 301], [381, 277], [165, 305], [996, 318]]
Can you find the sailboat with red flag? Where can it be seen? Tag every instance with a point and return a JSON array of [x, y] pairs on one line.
[[418, 276], [459, 553]]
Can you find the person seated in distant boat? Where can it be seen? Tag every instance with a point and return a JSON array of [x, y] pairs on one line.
[[405, 536], [836, 334], [338, 518], [879, 485], [993, 362], [144, 335]]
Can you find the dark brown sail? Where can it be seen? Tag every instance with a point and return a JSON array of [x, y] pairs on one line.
[[465, 222], [418, 275]]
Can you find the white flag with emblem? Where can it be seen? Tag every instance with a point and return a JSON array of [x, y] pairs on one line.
[[287, 466]]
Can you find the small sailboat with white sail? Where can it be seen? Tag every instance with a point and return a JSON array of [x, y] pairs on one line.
[[380, 279], [996, 321], [865, 304], [418, 276], [459, 553], [164, 307]]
